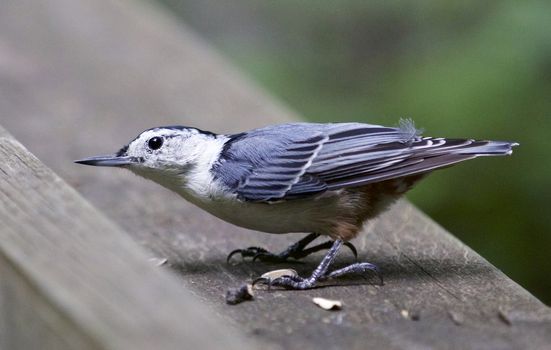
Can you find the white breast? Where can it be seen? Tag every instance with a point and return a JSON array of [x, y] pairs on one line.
[[311, 215]]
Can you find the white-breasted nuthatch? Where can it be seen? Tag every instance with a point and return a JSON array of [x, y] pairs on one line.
[[326, 179]]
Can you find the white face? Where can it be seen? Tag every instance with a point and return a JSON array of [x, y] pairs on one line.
[[167, 149], [176, 157]]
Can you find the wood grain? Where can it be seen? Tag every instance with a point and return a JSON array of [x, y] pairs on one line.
[[82, 78], [71, 279]]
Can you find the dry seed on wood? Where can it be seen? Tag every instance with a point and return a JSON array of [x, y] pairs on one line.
[[279, 273], [328, 304]]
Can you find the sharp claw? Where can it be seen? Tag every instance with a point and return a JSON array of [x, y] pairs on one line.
[[352, 248], [379, 274], [232, 253]]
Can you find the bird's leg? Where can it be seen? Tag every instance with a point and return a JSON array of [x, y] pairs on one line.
[[320, 273], [296, 251], [324, 246]]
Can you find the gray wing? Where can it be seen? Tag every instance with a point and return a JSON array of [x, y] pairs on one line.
[[263, 164], [298, 160]]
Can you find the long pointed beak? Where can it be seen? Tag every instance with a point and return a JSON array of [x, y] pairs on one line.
[[109, 160]]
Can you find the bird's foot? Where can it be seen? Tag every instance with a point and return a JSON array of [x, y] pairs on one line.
[[362, 268], [296, 251], [300, 283], [287, 282], [249, 252]]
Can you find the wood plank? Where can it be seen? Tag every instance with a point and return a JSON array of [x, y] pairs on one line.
[[84, 77], [71, 279], [29, 320]]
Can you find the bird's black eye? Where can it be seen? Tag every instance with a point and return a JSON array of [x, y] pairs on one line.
[[155, 143]]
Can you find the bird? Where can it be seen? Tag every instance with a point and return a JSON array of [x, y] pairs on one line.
[[324, 179]]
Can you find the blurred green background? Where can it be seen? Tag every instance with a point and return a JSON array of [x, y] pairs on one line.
[[477, 69]]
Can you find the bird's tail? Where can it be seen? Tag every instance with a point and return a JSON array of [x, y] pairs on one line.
[[418, 155], [481, 148], [447, 152]]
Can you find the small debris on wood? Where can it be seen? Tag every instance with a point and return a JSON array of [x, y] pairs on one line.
[[456, 317], [271, 275], [328, 304], [414, 316], [158, 261], [504, 317], [238, 295]]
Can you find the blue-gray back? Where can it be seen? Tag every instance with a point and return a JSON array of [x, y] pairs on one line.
[[303, 159]]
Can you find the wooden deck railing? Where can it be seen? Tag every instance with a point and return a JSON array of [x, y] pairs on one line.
[[82, 77]]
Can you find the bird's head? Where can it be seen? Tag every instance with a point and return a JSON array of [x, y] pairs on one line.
[[159, 152]]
